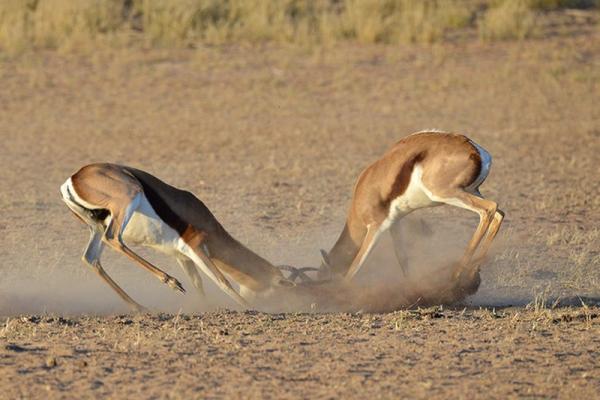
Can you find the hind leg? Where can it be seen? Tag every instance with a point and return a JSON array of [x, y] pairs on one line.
[[470, 278], [486, 209], [489, 237]]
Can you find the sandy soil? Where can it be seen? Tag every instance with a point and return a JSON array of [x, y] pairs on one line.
[[272, 140], [420, 354]]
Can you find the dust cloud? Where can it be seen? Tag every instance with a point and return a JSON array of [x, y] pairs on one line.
[[431, 246], [69, 287], [380, 285]]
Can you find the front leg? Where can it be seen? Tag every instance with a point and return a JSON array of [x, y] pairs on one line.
[[374, 230], [91, 257], [114, 237], [398, 245], [213, 272], [190, 268]]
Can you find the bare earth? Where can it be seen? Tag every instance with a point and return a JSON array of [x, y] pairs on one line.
[[272, 139]]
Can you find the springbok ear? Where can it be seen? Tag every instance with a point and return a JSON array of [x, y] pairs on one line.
[[325, 258]]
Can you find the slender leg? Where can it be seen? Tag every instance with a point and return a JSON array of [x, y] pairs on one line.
[[190, 268], [373, 232], [213, 272], [487, 241], [113, 236], [470, 280], [486, 210], [91, 256], [399, 250]]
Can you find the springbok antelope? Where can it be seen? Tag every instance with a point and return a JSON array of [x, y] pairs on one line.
[[425, 169], [125, 205]]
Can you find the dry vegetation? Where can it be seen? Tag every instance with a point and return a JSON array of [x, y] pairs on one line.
[[432, 353], [67, 24], [271, 138]]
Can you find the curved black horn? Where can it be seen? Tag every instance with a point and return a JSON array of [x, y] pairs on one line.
[[297, 273]]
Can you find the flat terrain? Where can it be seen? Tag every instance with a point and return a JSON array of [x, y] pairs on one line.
[[272, 139], [433, 354]]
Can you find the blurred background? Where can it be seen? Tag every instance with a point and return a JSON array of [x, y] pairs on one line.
[[268, 110]]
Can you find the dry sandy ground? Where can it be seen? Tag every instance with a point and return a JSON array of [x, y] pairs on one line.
[[420, 354], [272, 140]]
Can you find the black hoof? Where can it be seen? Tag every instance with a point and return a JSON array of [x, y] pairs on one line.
[[470, 286]]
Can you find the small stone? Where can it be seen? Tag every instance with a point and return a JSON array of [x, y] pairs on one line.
[[51, 362], [96, 384], [15, 347]]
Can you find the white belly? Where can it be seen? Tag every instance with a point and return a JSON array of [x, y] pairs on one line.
[[147, 229], [414, 197]]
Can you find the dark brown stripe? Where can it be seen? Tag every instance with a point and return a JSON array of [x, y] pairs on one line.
[[161, 208], [403, 178]]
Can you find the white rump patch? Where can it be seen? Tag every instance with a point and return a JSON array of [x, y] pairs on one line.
[[486, 164], [67, 188]]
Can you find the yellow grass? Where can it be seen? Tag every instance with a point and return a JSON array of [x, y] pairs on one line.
[[509, 19], [54, 23], [26, 24], [293, 21]]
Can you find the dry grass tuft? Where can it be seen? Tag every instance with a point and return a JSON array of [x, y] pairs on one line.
[[399, 21], [508, 19], [66, 23], [53, 24], [26, 24], [294, 21]]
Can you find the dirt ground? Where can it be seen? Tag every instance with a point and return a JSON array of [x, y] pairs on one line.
[[272, 139], [420, 354]]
